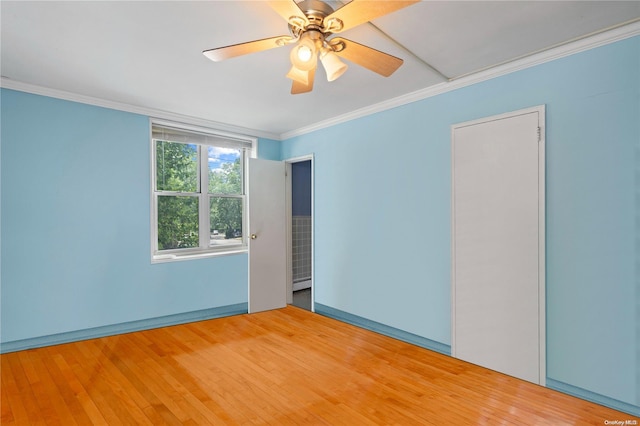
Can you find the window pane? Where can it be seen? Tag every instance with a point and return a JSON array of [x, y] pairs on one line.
[[225, 176], [226, 221], [176, 167], [177, 222]]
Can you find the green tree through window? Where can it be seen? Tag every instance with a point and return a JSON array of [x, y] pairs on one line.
[[177, 171], [226, 212]]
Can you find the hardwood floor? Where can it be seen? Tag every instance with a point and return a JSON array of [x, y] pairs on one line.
[[280, 367]]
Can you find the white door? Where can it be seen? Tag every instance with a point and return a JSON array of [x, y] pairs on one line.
[[498, 244], [267, 235]]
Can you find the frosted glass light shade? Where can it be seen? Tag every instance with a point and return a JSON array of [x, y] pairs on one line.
[[333, 66], [303, 55], [298, 75]]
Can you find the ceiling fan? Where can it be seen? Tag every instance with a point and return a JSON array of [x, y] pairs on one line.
[[312, 23]]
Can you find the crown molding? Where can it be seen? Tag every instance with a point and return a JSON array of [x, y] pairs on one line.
[[618, 33], [150, 112], [593, 41]]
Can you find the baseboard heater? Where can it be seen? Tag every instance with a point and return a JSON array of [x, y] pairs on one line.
[[302, 284]]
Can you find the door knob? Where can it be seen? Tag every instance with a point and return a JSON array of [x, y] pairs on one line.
[[254, 236]]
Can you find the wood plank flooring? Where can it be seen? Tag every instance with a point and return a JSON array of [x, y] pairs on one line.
[[281, 367]]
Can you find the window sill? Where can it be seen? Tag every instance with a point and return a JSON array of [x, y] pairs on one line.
[[176, 257]]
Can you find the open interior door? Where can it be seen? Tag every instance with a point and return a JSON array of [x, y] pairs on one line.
[[267, 235]]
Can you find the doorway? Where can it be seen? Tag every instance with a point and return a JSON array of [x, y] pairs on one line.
[[300, 232]]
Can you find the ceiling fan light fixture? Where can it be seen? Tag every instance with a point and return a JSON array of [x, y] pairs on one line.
[[298, 75], [333, 66], [312, 25]]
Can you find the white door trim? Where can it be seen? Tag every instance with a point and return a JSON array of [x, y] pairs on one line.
[[289, 220], [541, 230]]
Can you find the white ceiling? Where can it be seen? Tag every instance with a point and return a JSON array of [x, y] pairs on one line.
[[148, 53]]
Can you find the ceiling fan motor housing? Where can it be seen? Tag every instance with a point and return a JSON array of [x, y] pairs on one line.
[[315, 12]]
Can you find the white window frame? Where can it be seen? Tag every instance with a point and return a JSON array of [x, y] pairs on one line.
[[247, 145]]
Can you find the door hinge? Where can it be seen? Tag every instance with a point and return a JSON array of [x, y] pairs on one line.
[[539, 134]]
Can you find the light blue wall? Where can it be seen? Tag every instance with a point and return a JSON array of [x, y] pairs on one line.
[[268, 149], [75, 225], [382, 211]]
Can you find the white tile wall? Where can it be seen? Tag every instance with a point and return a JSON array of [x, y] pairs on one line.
[[301, 245]]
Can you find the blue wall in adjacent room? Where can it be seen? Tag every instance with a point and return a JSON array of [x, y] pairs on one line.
[[301, 188], [382, 211], [75, 225]]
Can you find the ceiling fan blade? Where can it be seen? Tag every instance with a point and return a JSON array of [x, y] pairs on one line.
[[358, 12], [222, 53], [288, 9], [297, 87], [375, 60]]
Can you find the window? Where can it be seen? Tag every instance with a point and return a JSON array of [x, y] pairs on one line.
[[198, 192]]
